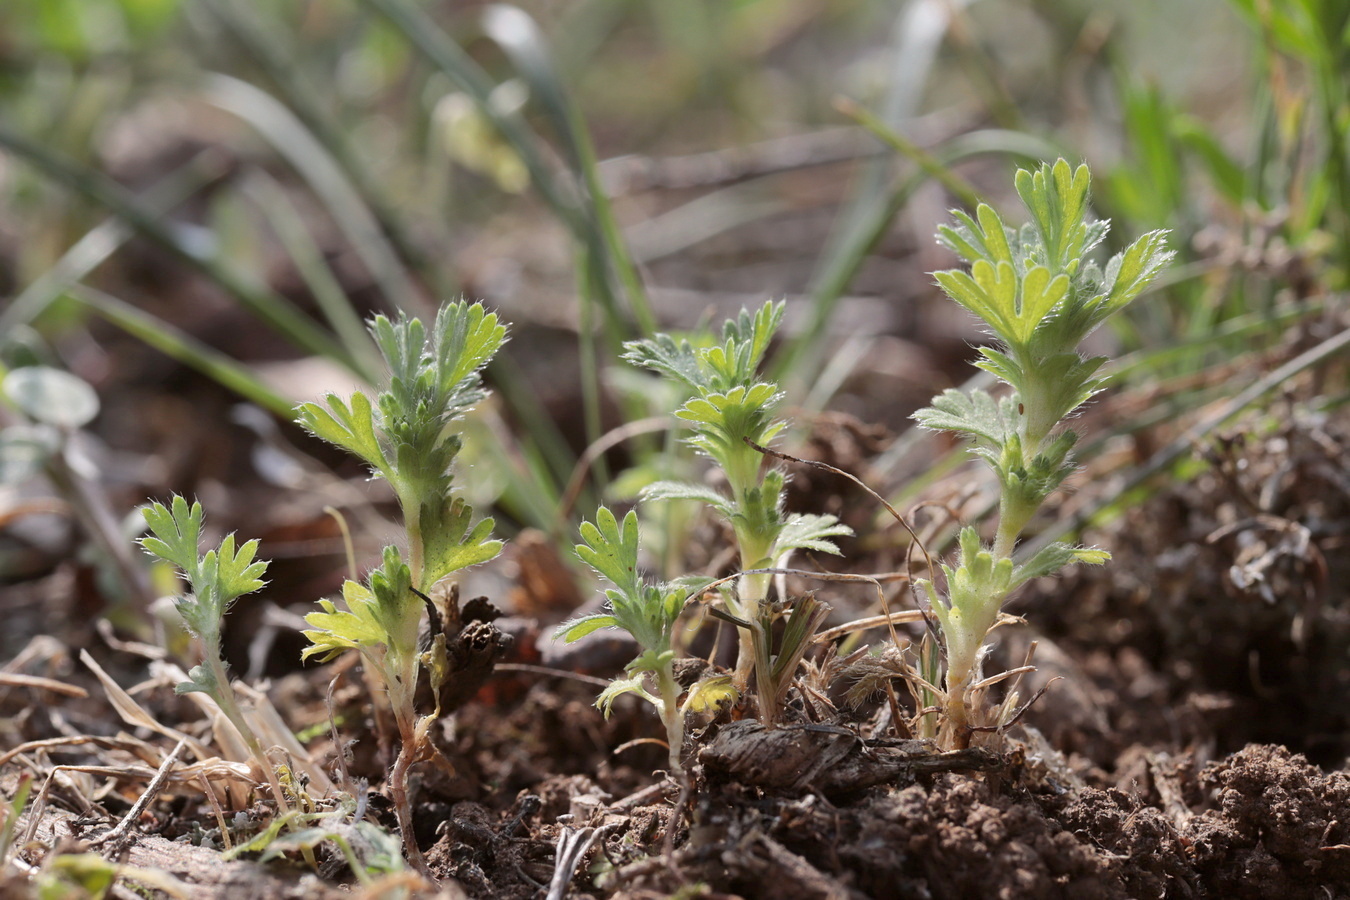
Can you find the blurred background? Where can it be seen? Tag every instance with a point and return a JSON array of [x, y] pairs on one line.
[[201, 201]]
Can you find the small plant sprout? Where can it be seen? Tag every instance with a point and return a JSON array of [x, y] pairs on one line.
[[1040, 296], [216, 579], [649, 613], [404, 437], [732, 405]]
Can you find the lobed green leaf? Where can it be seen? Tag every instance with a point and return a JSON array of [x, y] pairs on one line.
[[576, 629], [177, 534], [618, 688], [1053, 557], [808, 531], [976, 415], [684, 490], [612, 550], [350, 426], [448, 544]]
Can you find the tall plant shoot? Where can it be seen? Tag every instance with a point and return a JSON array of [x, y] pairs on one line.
[[731, 405], [405, 437], [1040, 295]]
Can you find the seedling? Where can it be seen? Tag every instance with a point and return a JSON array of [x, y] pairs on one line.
[[215, 580], [733, 405], [1040, 296], [403, 436], [369, 850], [649, 613]]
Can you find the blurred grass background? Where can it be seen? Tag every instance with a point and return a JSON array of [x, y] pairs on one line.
[[201, 200]]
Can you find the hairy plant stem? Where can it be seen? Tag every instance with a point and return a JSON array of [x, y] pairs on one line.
[[751, 591], [398, 793], [224, 698], [412, 525], [1041, 417], [230, 707], [1009, 530], [401, 699], [963, 671], [672, 716]]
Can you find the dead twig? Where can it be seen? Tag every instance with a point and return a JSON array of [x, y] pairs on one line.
[[122, 828]]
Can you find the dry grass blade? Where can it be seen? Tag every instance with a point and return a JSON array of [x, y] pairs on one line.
[[260, 715], [14, 679], [133, 713], [571, 850], [905, 615], [214, 768], [128, 744]]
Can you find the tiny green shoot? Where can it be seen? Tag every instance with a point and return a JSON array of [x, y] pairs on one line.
[[1040, 295], [649, 612], [733, 405], [215, 580]]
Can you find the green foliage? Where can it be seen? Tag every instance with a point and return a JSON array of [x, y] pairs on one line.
[[730, 404], [368, 849], [647, 612], [216, 579], [733, 405], [403, 435], [731, 409], [10, 811], [380, 619], [1041, 295]]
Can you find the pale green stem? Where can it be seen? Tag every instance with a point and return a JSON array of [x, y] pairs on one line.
[[752, 590], [224, 698], [1005, 540], [1039, 420], [672, 716], [962, 652], [227, 702]]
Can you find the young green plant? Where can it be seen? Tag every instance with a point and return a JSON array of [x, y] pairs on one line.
[[1040, 295], [215, 580], [404, 437], [649, 613], [732, 405]]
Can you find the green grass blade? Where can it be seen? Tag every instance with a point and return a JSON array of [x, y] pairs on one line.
[[288, 135], [102, 241], [186, 349], [450, 59], [520, 38], [957, 186], [283, 65], [304, 252], [278, 312], [917, 34]]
